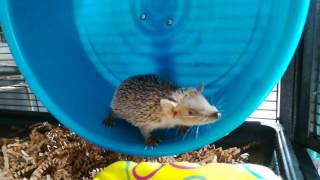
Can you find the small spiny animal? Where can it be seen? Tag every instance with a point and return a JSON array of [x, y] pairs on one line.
[[150, 103]]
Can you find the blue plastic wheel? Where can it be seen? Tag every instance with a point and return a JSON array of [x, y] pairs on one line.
[[75, 53]]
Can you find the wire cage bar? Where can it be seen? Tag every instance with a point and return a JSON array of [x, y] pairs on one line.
[[14, 92]]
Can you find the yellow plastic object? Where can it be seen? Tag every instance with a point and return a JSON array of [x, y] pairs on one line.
[[127, 170]]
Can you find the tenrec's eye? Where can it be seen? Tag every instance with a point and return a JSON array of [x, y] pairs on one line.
[[191, 112]]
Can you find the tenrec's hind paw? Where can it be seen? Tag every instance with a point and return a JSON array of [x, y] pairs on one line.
[[107, 123]]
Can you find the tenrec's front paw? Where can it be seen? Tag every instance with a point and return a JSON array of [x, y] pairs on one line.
[[152, 142], [183, 129]]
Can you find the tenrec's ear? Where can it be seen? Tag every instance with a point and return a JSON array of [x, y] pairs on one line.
[[167, 105], [200, 87]]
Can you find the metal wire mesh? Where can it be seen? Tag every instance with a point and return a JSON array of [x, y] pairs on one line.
[[16, 95], [2, 36], [269, 109], [14, 92], [315, 122]]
